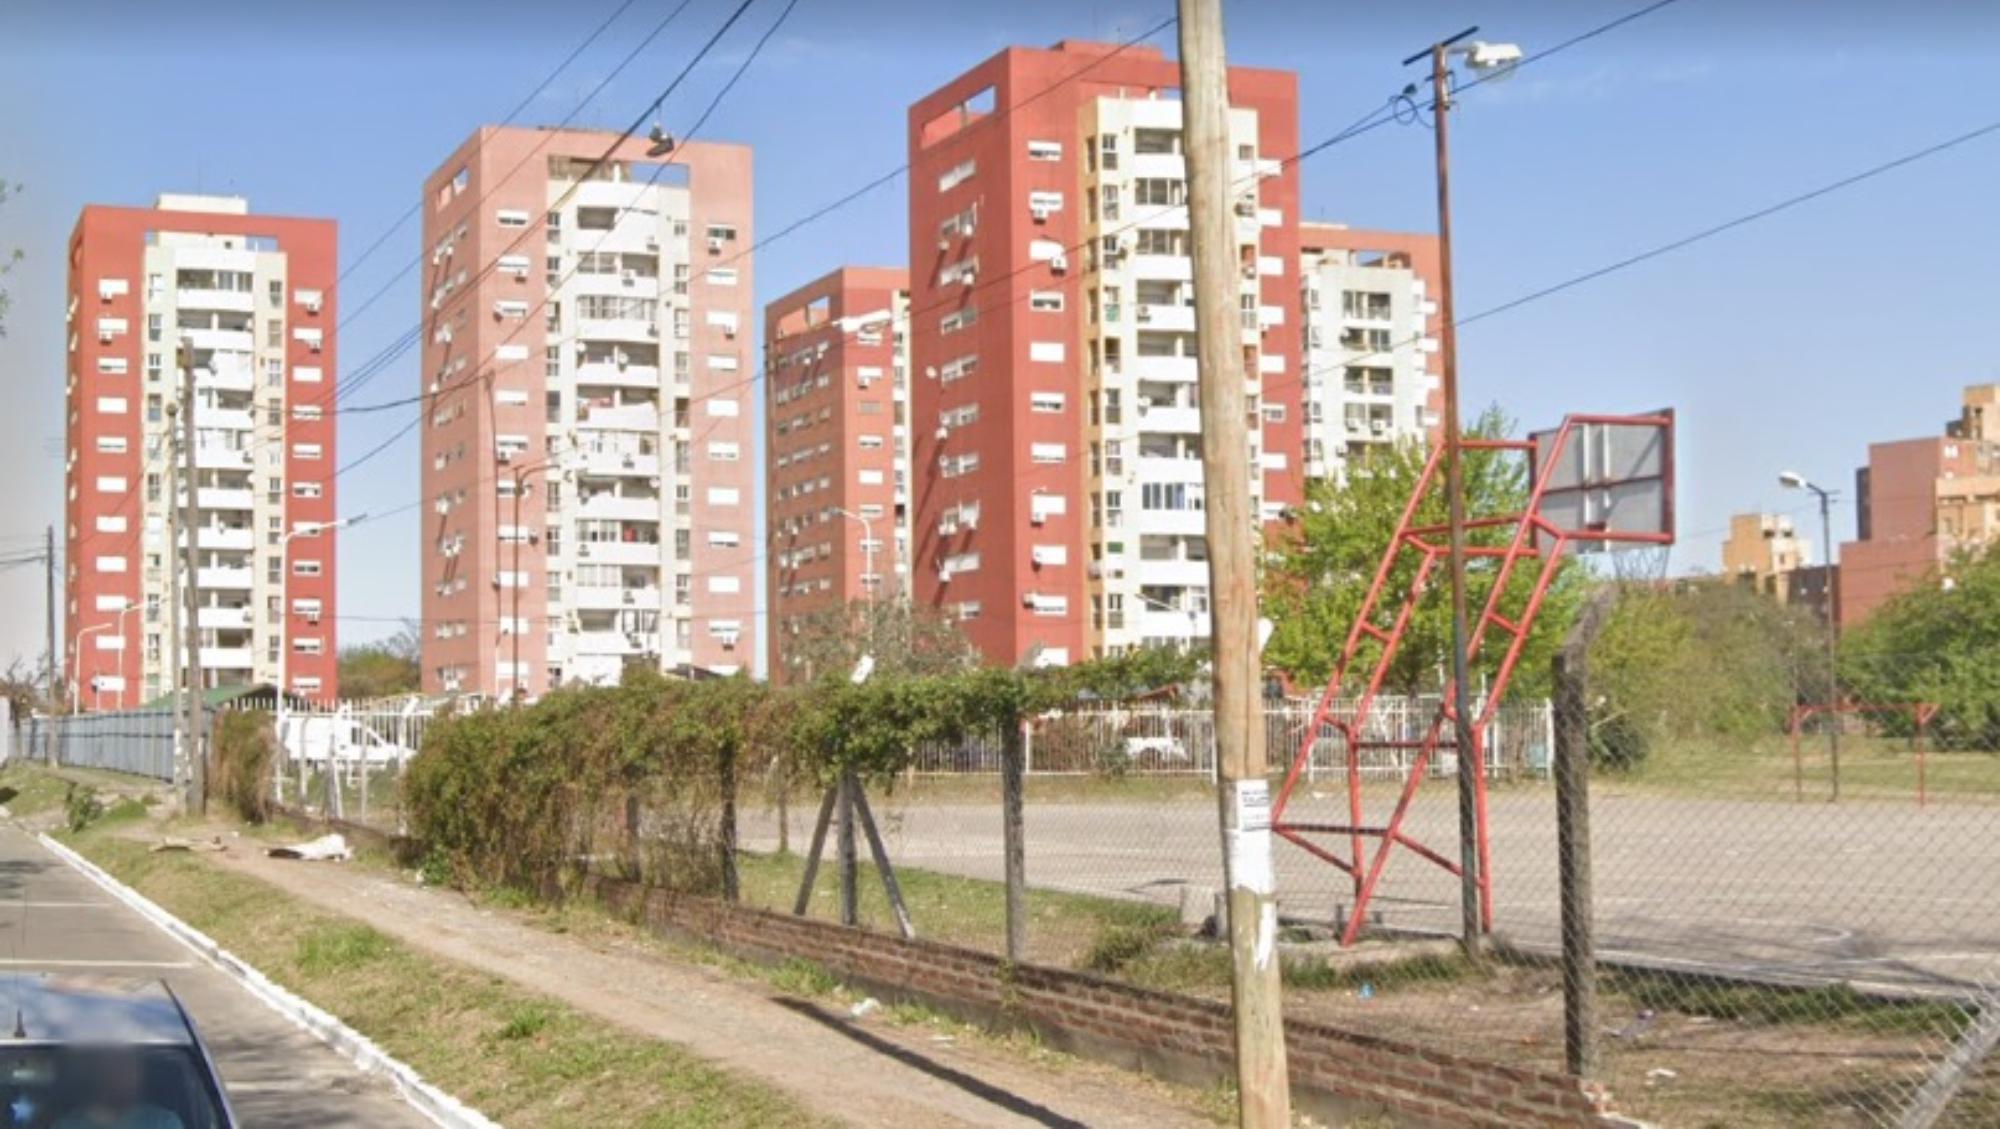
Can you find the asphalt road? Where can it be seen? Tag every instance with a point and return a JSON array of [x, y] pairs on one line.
[[54, 919], [1874, 893]]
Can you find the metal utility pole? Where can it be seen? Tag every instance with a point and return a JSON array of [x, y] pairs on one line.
[[197, 782], [49, 595], [1454, 492], [1264, 1097], [1832, 633], [1793, 480]]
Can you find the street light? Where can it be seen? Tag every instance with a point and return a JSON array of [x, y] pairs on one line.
[[1793, 480], [302, 529], [1491, 61], [867, 551], [123, 612], [566, 462], [76, 661]]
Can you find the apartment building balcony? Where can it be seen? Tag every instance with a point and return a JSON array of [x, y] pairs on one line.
[[224, 578], [226, 658], [222, 419], [220, 340], [226, 378], [607, 506], [637, 233], [1173, 571], [1176, 267], [1377, 388], [628, 417], [624, 195], [212, 457], [1161, 217], [618, 376], [588, 643], [1166, 317], [224, 619], [223, 538], [217, 498], [604, 598], [625, 284], [234, 301], [1158, 623], [632, 330], [1155, 468], [647, 553], [1170, 419], [1172, 369], [612, 463], [1146, 166], [1171, 523]]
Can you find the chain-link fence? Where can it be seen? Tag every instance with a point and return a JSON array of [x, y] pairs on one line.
[[1783, 906]]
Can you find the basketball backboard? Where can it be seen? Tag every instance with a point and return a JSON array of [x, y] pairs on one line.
[[1609, 480]]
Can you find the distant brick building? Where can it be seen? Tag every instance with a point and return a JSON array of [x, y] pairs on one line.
[[1920, 502]]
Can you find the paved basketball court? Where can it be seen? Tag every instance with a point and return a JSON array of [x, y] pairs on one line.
[[1878, 894]]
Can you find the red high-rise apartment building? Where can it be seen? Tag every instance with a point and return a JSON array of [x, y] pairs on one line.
[[1058, 507], [252, 298], [587, 448], [837, 447]]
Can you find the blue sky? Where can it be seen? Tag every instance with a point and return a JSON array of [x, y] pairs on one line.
[[1792, 343]]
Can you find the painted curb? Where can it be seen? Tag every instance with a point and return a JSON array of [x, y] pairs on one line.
[[357, 1048]]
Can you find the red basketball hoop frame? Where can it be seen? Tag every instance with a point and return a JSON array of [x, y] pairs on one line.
[[1599, 493]]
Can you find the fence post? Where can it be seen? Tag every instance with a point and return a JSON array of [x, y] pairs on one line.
[[1014, 741], [730, 886], [850, 909], [1571, 766]]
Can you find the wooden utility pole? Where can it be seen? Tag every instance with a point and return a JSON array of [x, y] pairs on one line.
[[197, 781], [1469, 765], [170, 655], [1264, 1097]]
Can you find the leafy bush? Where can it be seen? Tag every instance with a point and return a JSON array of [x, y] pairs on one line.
[[633, 773], [81, 806], [633, 778], [1618, 744], [243, 763]]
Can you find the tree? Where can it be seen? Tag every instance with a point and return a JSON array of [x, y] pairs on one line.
[[905, 638], [22, 686], [7, 260], [382, 669], [1317, 577], [1701, 660], [1938, 642]]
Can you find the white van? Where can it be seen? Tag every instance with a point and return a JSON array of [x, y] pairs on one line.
[[315, 737]]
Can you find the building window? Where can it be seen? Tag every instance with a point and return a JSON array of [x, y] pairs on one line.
[[1045, 150]]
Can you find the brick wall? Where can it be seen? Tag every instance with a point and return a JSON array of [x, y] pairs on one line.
[[1335, 1073]]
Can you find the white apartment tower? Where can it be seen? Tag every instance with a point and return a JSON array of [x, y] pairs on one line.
[[1370, 349]]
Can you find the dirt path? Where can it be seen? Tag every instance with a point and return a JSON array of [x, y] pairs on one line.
[[866, 1072]]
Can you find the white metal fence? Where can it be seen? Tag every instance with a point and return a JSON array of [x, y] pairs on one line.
[[141, 742], [1175, 740]]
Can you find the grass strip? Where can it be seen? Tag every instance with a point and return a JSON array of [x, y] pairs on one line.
[[518, 1057]]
